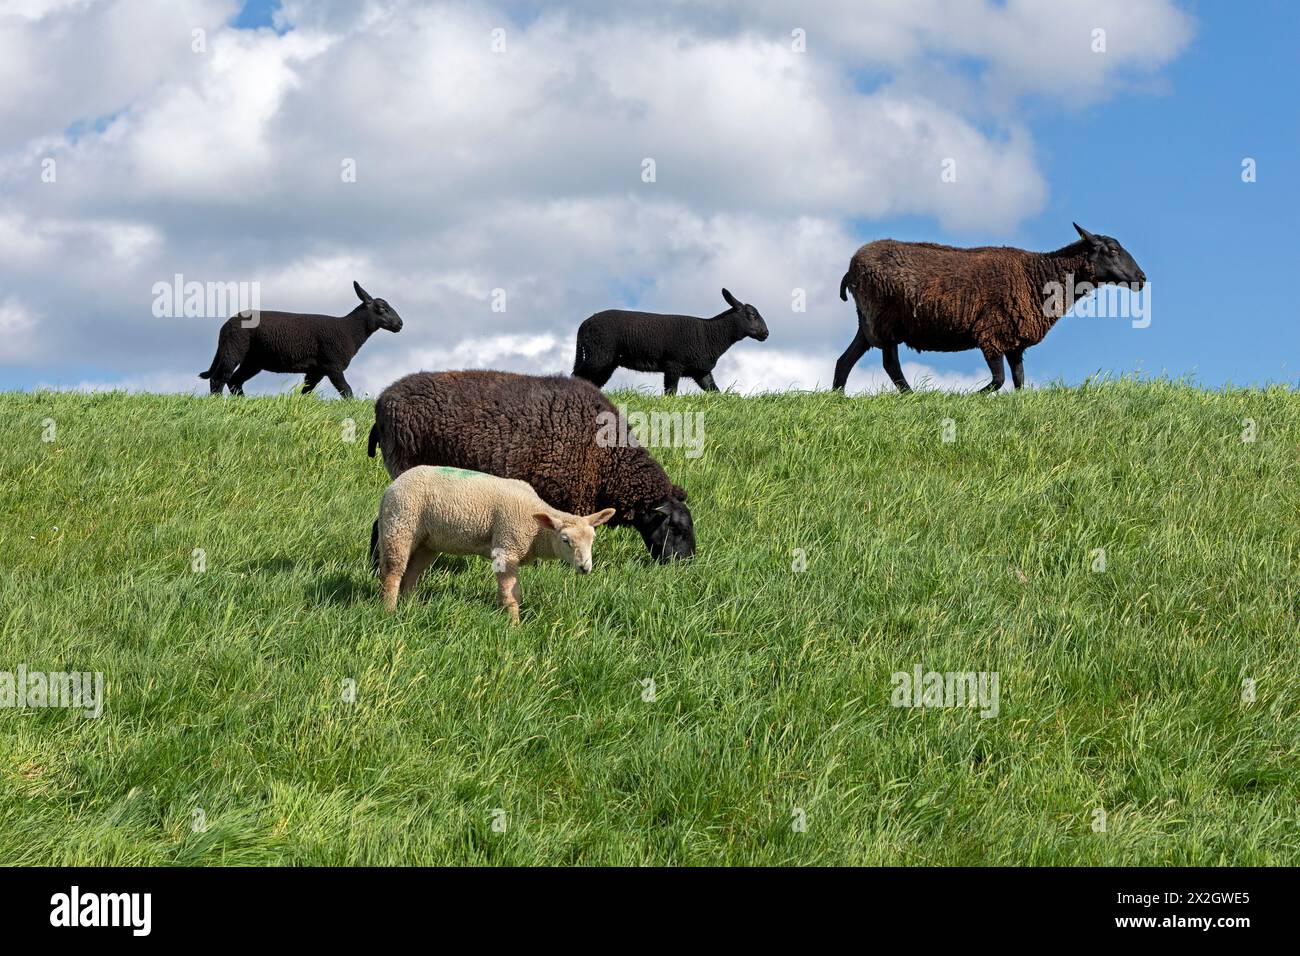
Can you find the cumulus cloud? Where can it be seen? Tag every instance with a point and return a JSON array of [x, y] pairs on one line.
[[390, 142], [1022, 47], [779, 370], [155, 382], [68, 62], [18, 326]]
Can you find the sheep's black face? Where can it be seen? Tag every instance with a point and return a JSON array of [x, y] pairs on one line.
[[386, 316], [753, 324], [379, 311], [668, 531], [1111, 262]]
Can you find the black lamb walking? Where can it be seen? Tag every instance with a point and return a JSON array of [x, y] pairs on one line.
[[321, 346], [675, 345]]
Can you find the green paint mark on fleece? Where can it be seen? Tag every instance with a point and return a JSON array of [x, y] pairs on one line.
[[462, 472]]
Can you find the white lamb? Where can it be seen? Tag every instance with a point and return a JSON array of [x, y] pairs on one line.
[[432, 509]]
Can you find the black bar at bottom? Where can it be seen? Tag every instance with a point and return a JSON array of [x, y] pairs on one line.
[[333, 906]]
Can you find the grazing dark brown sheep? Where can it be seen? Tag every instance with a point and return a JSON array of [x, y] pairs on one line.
[[319, 345], [997, 299], [542, 430]]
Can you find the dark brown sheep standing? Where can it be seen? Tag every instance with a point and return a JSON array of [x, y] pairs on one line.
[[997, 299], [542, 430]]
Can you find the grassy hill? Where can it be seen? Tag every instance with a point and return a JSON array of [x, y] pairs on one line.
[[226, 738]]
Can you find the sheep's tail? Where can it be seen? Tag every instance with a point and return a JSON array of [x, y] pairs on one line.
[[844, 285], [374, 440], [211, 368], [222, 340]]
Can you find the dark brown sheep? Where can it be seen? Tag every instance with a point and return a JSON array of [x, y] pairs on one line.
[[542, 430], [997, 299]]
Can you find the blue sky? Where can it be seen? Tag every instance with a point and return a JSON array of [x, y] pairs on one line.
[[256, 14], [223, 165], [1163, 174], [1161, 171]]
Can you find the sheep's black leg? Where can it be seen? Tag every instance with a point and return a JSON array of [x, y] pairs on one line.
[[593, 364], [312, 380], [706, 382], [221, 375], [596, 375], [995, 366], [889, 355], [341, 383], [857, 348], [242, 375], [670, 383], [1017, 361]]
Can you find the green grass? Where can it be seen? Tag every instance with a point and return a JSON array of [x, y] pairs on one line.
[[1120, 689]]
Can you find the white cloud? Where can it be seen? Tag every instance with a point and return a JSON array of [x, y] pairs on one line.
[[751, 371], [1023, 47], [160, 382], [531, 354], [17, 325], [518, 171], [67, 62], [36, 9]]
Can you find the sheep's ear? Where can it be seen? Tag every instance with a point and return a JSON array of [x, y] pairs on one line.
[[362, 294], [600, 517], [1083, 233], [730, 299], [664, 509], [545, 520]]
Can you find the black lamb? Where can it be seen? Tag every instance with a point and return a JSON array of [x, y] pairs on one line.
[[675, 345], [322, 346], [546, 431]]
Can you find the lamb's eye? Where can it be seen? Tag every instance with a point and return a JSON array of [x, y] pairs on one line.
[[564, 538]]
